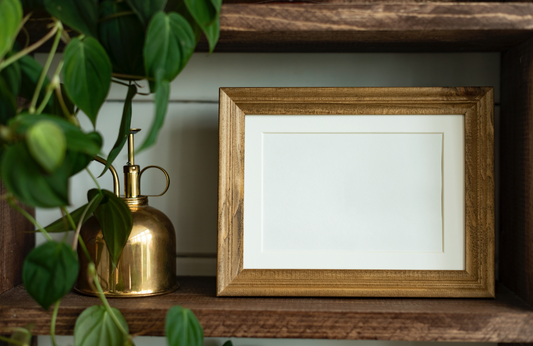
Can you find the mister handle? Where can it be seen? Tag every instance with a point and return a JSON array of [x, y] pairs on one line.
[[164, 172]]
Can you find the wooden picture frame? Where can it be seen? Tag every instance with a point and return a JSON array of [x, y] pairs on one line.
[[474, 104]]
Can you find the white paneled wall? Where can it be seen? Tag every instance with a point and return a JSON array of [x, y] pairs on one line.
[[188, 143]]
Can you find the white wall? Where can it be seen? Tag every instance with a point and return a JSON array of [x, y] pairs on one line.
[[188, 143]]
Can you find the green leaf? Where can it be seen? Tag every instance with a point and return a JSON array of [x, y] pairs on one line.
[[179, 7], [168, 46], [87, 75], [80, 15], [22, 337], [10, 18], [77, 140], [30, 71], [203, 11], [47, 144], [8, 103], [121, 33], [49, 272], [60, 225], [212, 33], [206, 14], [182, 328], [25, 179], [161, 104], [95, 327], [228, 343], [146, 9], [116, 222], [124, 130]]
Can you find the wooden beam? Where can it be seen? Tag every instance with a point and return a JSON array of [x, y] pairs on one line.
[[504, 319], [361, 27], [516, 166]]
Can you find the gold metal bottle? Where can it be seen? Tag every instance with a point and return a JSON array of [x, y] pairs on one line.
[[147, 265]]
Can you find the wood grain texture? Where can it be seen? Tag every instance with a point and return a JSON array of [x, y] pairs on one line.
[[361, 27], [516, 189], [15, 243], [504, 319], [477, 280]]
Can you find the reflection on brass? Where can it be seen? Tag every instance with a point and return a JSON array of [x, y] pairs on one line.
[[147, 265]]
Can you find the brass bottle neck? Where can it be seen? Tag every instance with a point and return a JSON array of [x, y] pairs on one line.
[[136, 201], [132, 187]]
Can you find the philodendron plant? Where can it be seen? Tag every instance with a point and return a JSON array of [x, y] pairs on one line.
[[42, 144]]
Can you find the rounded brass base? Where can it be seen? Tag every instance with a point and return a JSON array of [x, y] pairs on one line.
[[128, 295]]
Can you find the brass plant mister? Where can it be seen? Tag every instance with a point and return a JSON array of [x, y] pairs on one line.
[[147, 265]]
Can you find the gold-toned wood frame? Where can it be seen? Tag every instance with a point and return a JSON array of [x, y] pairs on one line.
[[477, 280]]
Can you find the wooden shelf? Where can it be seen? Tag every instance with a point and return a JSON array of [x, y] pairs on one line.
[[363, 27], [504, 319]]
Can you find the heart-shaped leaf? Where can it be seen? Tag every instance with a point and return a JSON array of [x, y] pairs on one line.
[[87, 75], [27, 181], [47, 144], [182, 328], [80, 15], [203, 11], [146, 9], [116, 222], [212, 33], [10, 17], [168, 46], [124, 130], [162, 95], [122, 35], [206, 14], [179, 7], [60, 225], [77, 140], [228, 343], [95, 327], [49, 272]]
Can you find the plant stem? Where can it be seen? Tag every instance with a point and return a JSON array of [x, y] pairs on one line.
[[94, 179], [127, 76], [108, 308], [64, 107], [53, 325], [59, 29], [11, 341], [50, 88], [80, 223], [119, 82], [69, 218], [84, 248], [28, 50], [30, 218]]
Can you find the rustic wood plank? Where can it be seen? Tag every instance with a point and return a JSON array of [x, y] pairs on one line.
[[504, 319], [361, 27], [516, 196], [15, 240]]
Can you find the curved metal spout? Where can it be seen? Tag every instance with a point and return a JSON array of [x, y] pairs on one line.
[[116, 182]]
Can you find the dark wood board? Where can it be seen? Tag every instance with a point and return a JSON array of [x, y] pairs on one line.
[[361, 27], [516, 187], [504, 319], [15, 243]]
